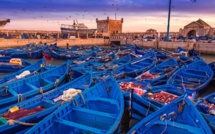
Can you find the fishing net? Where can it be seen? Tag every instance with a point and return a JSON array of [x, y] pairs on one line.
[[22, 113]]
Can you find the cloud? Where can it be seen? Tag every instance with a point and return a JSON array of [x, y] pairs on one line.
[[139, 15]]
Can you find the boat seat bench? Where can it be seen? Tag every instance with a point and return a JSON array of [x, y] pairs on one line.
[[94, 112], [111, 101], [77, 125]]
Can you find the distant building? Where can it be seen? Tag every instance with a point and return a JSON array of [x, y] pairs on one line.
[[172, 35], [109, 26], [77, 30], [197, 28], [3, 23], [151, 33]]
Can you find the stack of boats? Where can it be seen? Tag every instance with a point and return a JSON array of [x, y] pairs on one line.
[[95, 87]]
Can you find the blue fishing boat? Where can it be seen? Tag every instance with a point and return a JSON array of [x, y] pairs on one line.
[[131, 52], [30, 51], [83, 67], [46, 53], [162, 55], [184, 60], [164, 94], [65, 55], [138, 47], [112, 64], [31, 69], [120, 61], [25, 114], [139, 108], [180, 50], [193, 52], [100, 67], [12, 64], [193, 77], [212, 65], [97, 110], [140, 51], [29, 54], [178, 117], [159, 74], [206, 106], [9, 51], [2, 56], [84, 58], [136, 67], [105, 58], [133, 91], [19, 90], [177, 52]]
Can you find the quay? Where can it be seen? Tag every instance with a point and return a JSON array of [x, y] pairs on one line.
[[205, 48], [108, 32]]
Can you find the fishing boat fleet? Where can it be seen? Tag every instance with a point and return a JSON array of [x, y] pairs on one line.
[[104, 89]]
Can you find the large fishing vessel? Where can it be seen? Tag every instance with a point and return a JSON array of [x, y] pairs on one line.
[[76, 28]]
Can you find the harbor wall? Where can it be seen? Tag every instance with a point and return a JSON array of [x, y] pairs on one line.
[[206, 48], [8, 43]]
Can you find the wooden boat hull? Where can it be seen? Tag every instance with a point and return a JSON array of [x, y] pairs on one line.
[[37, 66], [160, 73], [17, 91], [136, 67], [212, 65], [82, 82], [99, 110], [205, 109], [178, 117], [36, 54], [6, 67], [193, 77]]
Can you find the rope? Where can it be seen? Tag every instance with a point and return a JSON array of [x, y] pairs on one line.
[[76, 103], [185, 60], [29, 55], [183, 84], [108, 90], [135, 72], [207, 74], [56, 83], [82, 97], [148, 109], [19, 97], [6, 92], [12, 122], [41, 90], [185, 96], [164, 128], [35, 72]]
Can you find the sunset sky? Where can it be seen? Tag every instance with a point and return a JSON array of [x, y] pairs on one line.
[[139, 15]]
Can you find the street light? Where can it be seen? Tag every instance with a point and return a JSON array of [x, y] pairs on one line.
[[169, 13]]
